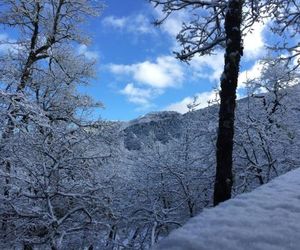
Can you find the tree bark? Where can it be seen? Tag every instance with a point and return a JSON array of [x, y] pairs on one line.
[[229, 80]]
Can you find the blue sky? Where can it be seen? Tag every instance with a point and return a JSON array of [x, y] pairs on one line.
[[137, 72]]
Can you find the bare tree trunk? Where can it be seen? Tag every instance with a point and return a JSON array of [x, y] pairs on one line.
[[229, 80]]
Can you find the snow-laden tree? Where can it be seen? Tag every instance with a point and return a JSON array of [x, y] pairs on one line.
[[55, 189], [264, 137], [44, 29], [217, 25]]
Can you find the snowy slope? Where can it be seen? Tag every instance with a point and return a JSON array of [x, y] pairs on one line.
[[266, 219]]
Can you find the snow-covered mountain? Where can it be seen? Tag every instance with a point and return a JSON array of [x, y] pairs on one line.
[[265, 116], [165, 125]]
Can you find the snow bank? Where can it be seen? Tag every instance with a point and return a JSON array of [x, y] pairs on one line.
[[266, 219]]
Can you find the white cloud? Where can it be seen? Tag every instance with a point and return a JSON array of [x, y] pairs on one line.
[[254, 41], [138, 24], [136, 95], [202, 99], [115, 22], [140, 96], [208, 66], [172, 25], [89, 54], [165, 72], [154, 77], [253, 72]]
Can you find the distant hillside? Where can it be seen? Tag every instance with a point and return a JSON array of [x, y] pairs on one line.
[[255, 120]]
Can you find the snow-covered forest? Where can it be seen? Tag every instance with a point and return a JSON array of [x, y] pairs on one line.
[[69, 181]]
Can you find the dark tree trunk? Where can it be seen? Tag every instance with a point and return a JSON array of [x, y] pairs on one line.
[[229, 80]]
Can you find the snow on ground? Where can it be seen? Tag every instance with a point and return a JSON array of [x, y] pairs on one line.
[[266, 219]]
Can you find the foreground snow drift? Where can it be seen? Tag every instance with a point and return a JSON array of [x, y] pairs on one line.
[[266, 219]]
